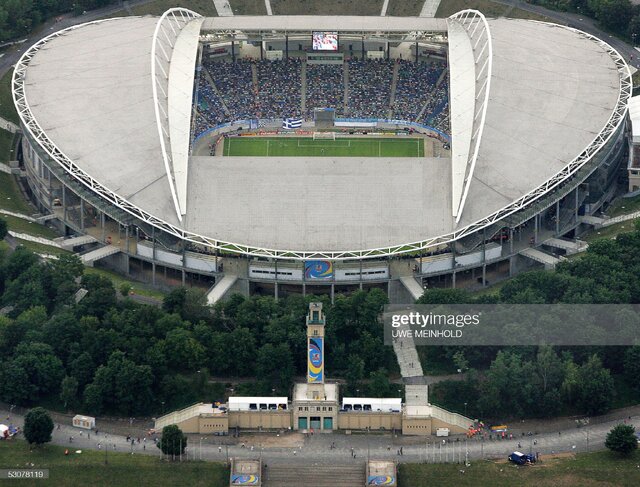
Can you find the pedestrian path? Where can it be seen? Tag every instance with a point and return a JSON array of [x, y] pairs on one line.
[[218, 291], [223, 8], [267, 5], [385, 5], [31, 238], [9, 126], [429, 8]]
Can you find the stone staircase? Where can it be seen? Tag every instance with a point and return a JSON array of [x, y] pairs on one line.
[[303, 88], [315, 476], [394, 86]]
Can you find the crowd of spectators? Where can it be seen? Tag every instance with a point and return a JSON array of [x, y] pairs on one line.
[[277, 94], [370, 88], [436, 113], [325, 88], [234, 81], [279, 87], [209, 104], [415, 84]]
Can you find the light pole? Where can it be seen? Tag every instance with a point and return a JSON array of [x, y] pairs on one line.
[[465, 409]]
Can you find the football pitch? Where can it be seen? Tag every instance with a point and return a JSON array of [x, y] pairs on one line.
[[340, 147]]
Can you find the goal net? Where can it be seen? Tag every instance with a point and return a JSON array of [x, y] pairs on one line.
[[324, 135]]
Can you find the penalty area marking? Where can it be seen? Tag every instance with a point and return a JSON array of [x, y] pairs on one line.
[[325, 145]]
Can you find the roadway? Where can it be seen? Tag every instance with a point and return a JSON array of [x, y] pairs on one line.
[[580, 21], [12, 54], [295, 448], [576, 20]]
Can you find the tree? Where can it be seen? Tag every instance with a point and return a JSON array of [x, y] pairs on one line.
[[173, 441], [613, 14], [444, 296], [125, 289], [595, 392], [174, 301], [3, 228], [69, 391], [632, 366], [379, 385], [38, 426], [622, 439]]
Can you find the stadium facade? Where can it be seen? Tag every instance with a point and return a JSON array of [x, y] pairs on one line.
[[538, 130]]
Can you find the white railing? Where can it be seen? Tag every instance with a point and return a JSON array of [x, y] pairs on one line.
[[164, 38], [37, 134], [476, 26]]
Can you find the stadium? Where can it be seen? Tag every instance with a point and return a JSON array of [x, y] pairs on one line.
[[288, 154]]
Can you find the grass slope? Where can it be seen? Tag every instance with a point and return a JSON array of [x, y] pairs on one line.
[[487, 7], [158, 7], [326, 7], [7, 109], [6, 145], [248, 7], [405, 8], [585, 469], [30, 228], [341, 147], [88, 468], [10, 197]]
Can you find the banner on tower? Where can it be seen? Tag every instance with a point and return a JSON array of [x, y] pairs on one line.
[[316, 359]]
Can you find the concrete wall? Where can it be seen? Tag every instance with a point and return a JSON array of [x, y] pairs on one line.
[[260, 419], [373, 420], [425, 426], [213, 423]]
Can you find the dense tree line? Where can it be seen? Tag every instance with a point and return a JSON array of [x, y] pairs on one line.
[[531, 381], [19, 17], [618, 16], [104, 355]]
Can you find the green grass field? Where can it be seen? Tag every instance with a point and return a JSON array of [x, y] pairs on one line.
[[341, 147], [88, 468], [584, 469]]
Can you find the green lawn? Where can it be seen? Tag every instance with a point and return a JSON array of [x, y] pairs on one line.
[[326, 7], [158, 7], [609, 232], [341, 147], [487, 7], [623, 206], [248, 7], [6, 145], [7, 109], [30, 228], [585, 469], [10, 196], [88, 468], [39, 248], [118, 280], [405, 8]]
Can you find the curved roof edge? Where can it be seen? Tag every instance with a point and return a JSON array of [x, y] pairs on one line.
[[166, 68], [36, 132], [464, 157]]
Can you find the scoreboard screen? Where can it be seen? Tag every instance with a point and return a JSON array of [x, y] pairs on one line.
[[325, 41]]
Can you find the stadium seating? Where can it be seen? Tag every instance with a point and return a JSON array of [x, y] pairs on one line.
[[325, 88], [370, 88], [250, 89], [235, 85], [279, 88], [416, 83]]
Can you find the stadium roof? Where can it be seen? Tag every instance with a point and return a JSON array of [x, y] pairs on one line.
[[550, 92], [339, 23]]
